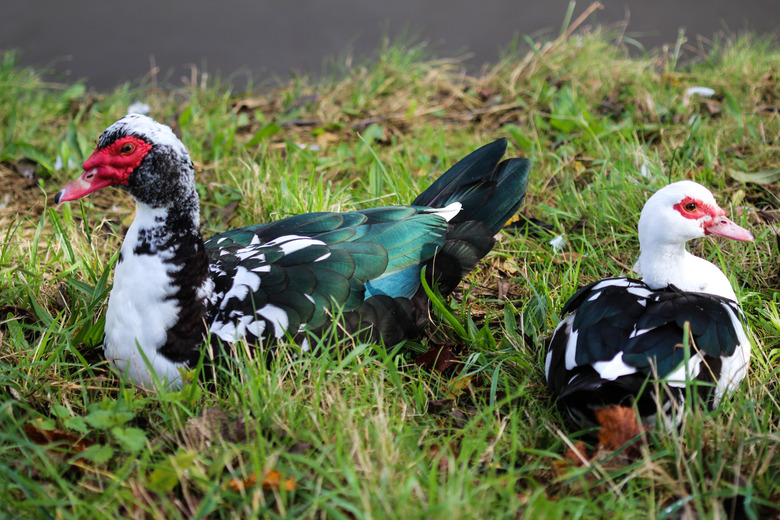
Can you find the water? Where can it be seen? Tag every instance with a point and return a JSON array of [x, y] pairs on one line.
[[108, 42]]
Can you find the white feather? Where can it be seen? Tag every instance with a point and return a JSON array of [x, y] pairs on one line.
[[447, 212], [140, 310], [614, 368]]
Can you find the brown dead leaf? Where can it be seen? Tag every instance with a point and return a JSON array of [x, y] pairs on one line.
[[437, 359], [326, 138], [446, 408], [440, 406], [502, 286], [27, 169], [213, 425], [299, 448], [566, 257], [442, 455], [227, 212], [69, 442], [577, 454], [619, 426]]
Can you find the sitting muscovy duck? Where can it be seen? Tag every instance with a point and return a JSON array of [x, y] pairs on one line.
[[620, 335], [283, 279]]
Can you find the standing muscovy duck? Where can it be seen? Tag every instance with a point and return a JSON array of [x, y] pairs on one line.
[[620, 334], [287, 278]]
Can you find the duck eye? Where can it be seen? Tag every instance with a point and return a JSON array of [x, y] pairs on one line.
[[690, 207], [127, 149]]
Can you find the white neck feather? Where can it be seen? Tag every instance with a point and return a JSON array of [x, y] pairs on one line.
[[140, 309], [671, 264]]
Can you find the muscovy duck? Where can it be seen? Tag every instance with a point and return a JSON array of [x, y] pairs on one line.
[[620, 335], [286, 278]]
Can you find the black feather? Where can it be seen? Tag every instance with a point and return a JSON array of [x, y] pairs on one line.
[[623, 315]]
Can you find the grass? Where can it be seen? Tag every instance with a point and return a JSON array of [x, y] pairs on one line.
[[364, 432]]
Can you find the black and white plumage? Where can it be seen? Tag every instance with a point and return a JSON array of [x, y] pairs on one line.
[[620, 336], [285, 278]]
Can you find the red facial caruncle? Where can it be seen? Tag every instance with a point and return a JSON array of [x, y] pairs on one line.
[[695, 209], [107, 166], [120, 158], [717, 224]]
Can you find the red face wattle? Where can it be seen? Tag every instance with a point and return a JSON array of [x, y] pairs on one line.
[[108, 166], [717, 224]]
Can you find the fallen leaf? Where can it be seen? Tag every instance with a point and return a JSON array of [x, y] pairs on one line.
[[227, 212], [502, 288], [760, 177], [26, 168], [459, 419], [326, 138], [459, 384], [43, 437], [439, 406], [567, 257], [442, 455], [241, 484], [437, 359], [299, 448], [272, 480], [577, 454], [212, 425], [619, 426]]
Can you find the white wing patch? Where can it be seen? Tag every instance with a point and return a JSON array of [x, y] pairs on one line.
[[613, 368], [291, 243], [571, 342], [277, 317], [233, 330], [237, 327], [733, 368], [244, 281], [685, 372], [612, 282], [447, 212], [639, 292]]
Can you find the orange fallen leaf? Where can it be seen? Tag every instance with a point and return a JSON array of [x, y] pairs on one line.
[[241, 484], [576, 454], [619, 425], [272, 480]]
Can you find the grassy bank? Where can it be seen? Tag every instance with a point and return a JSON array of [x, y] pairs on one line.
[[370, 432]]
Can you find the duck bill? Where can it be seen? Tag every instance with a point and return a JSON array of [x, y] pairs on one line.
[[723, 227], [88, 182]]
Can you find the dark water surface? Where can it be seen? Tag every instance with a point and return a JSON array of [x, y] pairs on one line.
[[109, 42]]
